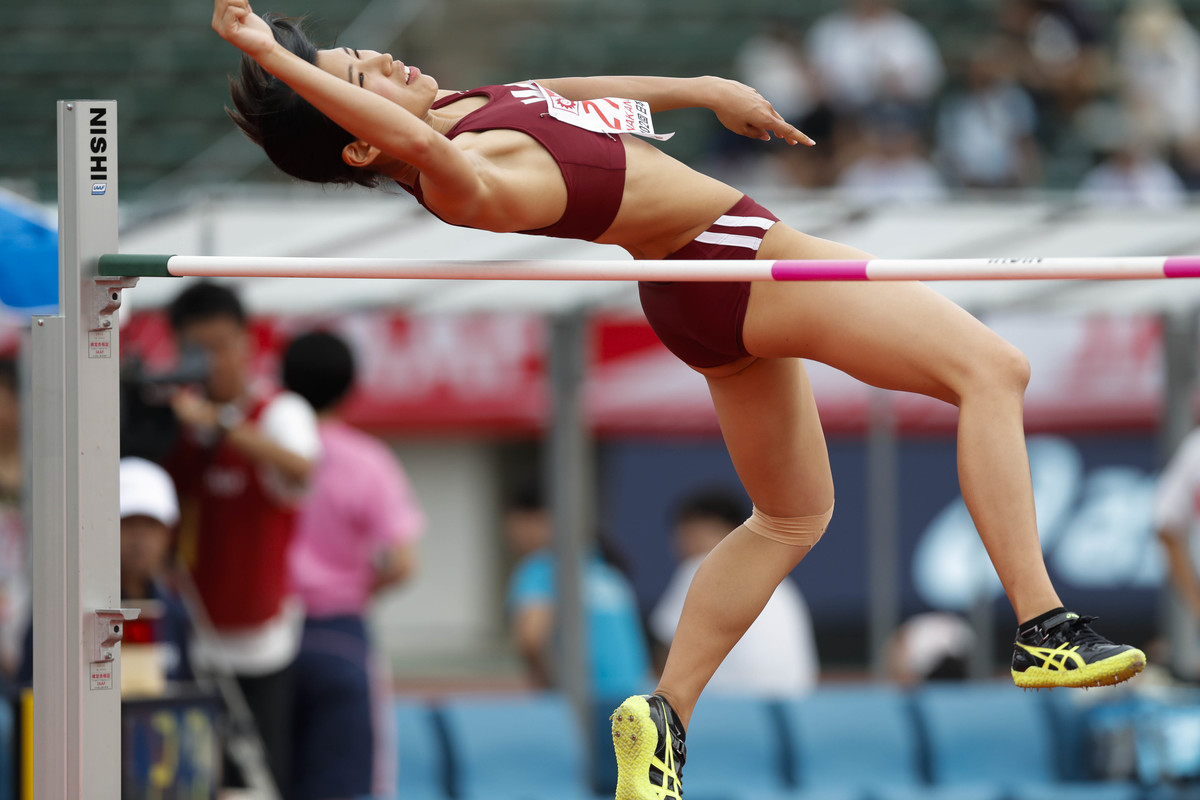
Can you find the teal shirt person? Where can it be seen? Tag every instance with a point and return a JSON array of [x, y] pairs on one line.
[[620, 656]]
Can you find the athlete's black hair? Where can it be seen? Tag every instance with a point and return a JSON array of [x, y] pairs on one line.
[[204, 301], [319, 367], [298, 138], [713, 504]]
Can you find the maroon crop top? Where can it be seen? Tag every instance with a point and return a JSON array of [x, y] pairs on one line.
[[592, 164]]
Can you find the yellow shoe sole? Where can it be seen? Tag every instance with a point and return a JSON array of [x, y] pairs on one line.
[[634, 740], [1116, 669]]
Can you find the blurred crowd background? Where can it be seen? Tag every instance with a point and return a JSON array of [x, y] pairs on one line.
[[906, 98], [385, 526]]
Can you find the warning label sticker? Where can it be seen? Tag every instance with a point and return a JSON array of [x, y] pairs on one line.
[[99, 344], [101, 675]]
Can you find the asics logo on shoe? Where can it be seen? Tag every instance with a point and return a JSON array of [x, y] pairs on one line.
[[1063, 657], [663, 770]]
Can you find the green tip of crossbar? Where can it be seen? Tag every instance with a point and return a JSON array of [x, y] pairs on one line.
[[134, 265]]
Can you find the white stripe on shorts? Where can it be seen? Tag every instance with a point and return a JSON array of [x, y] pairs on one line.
[[730, 239], [744, 222]]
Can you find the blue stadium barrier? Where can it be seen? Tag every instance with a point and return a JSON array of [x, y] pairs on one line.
[[423, 771], [1154, 739], [735, 751], [993, 735], [861, 742], [942, 742], [604, 760], [526, 747], [1069, 725]]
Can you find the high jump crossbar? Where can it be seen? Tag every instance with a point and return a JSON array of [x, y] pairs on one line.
[[1111, 268]]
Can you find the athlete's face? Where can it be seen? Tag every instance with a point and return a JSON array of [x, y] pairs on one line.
[[379, 73]]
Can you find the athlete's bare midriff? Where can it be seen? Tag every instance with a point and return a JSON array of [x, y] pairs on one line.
[[665, 204]]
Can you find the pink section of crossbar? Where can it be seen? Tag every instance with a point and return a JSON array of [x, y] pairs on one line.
[[1182, 267], [819, 270]]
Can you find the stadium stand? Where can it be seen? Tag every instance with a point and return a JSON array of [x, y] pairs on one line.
[[995, 736], [159, 59], [965, 741], [162, 63], [860, 742], [423, 771], [490, 741], [741, 753]]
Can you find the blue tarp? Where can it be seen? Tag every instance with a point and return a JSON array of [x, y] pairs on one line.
[[28, 257]]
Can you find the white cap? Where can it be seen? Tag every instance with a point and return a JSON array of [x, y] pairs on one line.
[[930, 637], [147, 490]]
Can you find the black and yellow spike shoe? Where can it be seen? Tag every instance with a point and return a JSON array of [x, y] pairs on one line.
[[1064, 651], [648, 740]]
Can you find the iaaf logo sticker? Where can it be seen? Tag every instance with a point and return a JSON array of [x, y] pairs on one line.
[[99, 188]]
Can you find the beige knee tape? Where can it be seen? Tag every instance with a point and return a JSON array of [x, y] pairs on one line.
[[796, 531]]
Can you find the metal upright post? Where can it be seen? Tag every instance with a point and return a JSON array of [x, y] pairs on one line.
[[569, 476], [77, 697], [883, 530], [1180, 338], [53, 739]]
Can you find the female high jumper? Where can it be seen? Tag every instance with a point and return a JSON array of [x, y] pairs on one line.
[[534, 158]]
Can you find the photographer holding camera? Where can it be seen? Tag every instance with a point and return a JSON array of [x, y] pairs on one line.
[[241, 463]]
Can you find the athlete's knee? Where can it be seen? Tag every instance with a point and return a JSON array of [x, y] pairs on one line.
[[795, 531], [1001, 367], [1011, 368], [1018, 367]]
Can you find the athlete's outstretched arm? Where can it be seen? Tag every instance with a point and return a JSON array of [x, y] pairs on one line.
[[375, 120], [739, 107]]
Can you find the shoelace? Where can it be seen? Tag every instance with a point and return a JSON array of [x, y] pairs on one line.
[[1081, 632]]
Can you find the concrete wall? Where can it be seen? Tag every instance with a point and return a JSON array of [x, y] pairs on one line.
[[447, 623]]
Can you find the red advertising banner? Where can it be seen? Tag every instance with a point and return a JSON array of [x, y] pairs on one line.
[[486, 374]]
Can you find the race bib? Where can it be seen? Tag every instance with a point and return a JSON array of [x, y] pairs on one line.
[[605, 115]]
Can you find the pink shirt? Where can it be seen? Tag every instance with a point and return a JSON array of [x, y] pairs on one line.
[[359, 503]]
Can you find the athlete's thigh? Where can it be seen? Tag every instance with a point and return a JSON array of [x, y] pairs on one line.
[[893, 334], [769, 420]]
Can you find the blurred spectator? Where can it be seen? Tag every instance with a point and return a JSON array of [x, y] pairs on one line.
[[772, 62], [1187, 163], [355, 535], [870, 52], [14, 579], [620, 656], [893, 166], [985, 132], [1132, 175], [1058, 53], [1158, 78], [930, 647], [1158, 71], [241, 465], [778, 654], [149, 514]]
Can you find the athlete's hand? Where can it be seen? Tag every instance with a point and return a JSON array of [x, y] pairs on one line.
[[743, 110], [237, 24]]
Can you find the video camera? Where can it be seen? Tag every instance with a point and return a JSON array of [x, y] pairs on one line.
[[148, 426]]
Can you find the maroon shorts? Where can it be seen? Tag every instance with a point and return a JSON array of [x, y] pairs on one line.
[[701, 321]]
